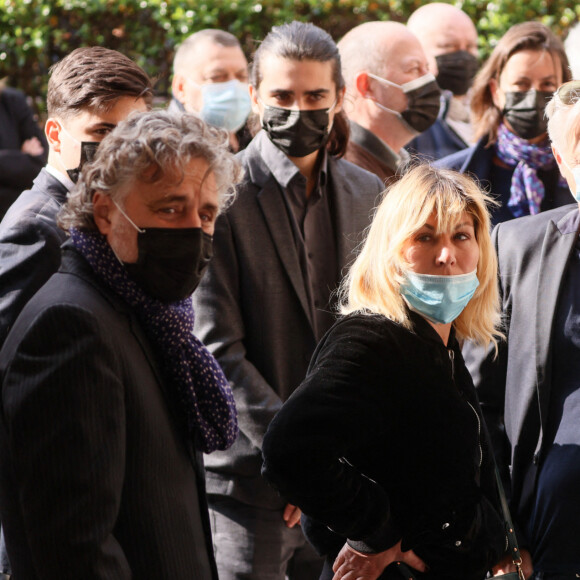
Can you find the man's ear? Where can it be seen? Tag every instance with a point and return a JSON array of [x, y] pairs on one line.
[[254, 99], [178, 87], [339, 100], [557, 155], [102, 207], [52, 131], [362, 84]]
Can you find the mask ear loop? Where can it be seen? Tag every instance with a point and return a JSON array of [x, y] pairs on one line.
[[128, 218], [63, 129]]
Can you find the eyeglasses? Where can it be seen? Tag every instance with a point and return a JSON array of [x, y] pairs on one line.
[[569, 93]]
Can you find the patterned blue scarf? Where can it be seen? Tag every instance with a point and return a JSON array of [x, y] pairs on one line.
[[527, 190], [201, 386]]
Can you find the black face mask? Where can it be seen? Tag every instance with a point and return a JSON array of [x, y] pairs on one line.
[[524, 111], [88, 152], [171, 261], [296, 133], [456, 71], [423, 102]]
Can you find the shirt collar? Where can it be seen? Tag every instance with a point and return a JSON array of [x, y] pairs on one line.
[[62, 177], [283, 170], [376, 146]]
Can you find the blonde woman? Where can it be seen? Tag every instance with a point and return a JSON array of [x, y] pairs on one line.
[[382, 446]]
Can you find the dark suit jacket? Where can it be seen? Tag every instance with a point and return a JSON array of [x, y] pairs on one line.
[[436, 142], [17, 169], [514, 389], [478, 162], [252, 309], [96, 478], [30, 244]]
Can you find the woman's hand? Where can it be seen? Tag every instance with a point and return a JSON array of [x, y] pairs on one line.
[[353, 565], [507, 565]]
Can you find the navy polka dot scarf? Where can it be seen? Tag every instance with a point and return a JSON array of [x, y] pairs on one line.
[[201, 386]]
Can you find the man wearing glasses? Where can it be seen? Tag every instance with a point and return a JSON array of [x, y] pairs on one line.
[[530, 393]]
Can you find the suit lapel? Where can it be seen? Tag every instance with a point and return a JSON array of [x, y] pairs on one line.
[[350, 222], [276, 218], [556, 250]]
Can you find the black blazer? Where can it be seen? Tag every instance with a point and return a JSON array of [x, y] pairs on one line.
[[436, 142], [477, 161], [514, 389], [17, 169], [253, 313], [383, 442], [96, 478], [30, 244]]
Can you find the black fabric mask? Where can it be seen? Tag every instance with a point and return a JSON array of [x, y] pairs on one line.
[[88, 151], [456, 71], [524, 111], [296, 133], [423, 102], [171, 261]]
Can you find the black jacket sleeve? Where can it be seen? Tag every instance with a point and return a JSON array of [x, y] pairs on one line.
[[337, 409], [65, 429]]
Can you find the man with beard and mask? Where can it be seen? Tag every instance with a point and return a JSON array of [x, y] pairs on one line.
[[530, 393], [513, 158], [210, 79], [390, 96], [108, 398], [449, 40], [268, 296], [89, 92]]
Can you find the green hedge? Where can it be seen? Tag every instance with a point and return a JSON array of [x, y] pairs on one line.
[[34, 33]]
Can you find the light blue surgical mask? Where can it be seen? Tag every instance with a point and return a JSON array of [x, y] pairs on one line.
[[226, 105], [440, 299], [576, 174]]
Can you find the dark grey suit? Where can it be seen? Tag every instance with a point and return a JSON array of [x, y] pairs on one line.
[[253, 312], [97, 477], [514, 389]]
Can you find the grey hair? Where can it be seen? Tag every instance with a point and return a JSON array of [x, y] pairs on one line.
[[146, 147], [562, 122], [185, 50]]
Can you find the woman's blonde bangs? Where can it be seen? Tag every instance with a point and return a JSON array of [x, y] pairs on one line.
[[373, 282]]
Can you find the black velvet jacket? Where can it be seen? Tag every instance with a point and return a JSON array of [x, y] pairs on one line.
[[384, 441]]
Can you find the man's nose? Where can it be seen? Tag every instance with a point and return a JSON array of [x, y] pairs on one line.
[[192, 220]]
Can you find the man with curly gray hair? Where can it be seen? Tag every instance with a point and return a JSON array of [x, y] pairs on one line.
[[108, 398]]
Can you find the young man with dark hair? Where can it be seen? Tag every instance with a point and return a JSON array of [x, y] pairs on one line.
[[89, 92]]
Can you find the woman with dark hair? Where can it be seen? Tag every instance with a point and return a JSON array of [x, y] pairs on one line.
[[513, 157], [269, 292]]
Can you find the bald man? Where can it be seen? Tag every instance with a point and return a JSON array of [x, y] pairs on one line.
[[449, 40], [390, 96], [210, 79]]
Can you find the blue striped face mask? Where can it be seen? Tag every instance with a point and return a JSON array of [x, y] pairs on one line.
[[440, 299]]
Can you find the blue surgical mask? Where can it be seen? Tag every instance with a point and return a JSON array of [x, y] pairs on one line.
[[226, 105], [576, 174], [440, 299]]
